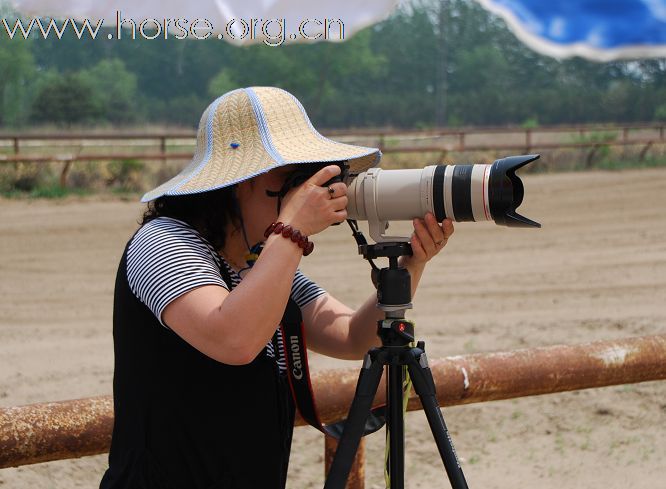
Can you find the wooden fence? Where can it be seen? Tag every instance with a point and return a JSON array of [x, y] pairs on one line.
[[71, 147]]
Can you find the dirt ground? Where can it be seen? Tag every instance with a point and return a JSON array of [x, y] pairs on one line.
[[597, 270]]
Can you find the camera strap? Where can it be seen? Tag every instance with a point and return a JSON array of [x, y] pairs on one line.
[[296, 359], [295, 354]]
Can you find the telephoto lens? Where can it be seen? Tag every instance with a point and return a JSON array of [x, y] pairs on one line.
[[457, 192]]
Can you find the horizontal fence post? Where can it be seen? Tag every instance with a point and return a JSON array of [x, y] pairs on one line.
[[69, 429], [534, 371], [55, 430]]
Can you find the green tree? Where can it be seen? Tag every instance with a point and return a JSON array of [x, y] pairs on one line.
[[65, 100], [405, 94], [17, 68], [114, 90], [390, 74], [221, 83]]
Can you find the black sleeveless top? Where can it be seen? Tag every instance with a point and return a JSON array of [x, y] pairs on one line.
[[186, 421]]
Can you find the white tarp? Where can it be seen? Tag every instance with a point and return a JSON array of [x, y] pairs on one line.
[[591, 28]]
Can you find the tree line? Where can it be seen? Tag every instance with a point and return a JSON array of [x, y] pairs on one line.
[[431, 63]]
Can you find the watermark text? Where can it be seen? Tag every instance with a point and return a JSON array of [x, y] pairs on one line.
[[272, 32]]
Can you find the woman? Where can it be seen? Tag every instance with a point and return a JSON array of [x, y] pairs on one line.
[[200, 392]]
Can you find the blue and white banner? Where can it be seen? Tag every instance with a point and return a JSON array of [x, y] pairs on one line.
[[594, 29]]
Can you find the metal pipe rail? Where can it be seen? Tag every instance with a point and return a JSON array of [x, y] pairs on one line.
[[69, 429]]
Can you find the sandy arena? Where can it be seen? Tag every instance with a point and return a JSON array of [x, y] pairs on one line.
[[596, 271]]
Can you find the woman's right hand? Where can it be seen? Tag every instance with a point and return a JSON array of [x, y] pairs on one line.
[[311, 208]]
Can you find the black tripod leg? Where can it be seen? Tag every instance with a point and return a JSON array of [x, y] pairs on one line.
[[396, 425], [368, 382], [424, 386]]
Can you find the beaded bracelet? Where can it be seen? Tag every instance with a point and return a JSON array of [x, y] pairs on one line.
[[294, 234]]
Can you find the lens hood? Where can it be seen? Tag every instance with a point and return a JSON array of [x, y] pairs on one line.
[[505, 191]]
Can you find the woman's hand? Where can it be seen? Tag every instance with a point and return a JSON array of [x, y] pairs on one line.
[[429, 238], [311, 208]]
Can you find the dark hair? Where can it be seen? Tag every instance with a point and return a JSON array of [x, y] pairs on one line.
[[208, 212]]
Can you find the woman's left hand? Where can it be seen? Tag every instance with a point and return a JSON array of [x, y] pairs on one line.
[[429, 238]]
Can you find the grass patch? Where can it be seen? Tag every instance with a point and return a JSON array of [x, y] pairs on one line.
[[44, 192], [631, 163], [125, 194]]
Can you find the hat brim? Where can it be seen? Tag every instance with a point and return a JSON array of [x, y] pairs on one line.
[[251, 131]]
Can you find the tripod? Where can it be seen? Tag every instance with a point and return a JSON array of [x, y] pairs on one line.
[[396, 333]]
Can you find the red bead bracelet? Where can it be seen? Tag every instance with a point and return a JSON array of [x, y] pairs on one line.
[[294, 234]]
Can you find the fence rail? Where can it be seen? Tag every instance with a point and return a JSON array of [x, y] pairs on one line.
[[26, 147], [580, 129], [69, 429]]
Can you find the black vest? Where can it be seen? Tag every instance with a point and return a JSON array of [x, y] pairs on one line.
[[186, 421]]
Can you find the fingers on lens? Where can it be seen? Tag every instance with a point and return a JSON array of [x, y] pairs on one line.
[[417, 244], [420, 226], [340, 189], [433, 226], [325, 174], [447, 227], [333, 170]]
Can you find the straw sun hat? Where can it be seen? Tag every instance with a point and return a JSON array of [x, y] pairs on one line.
[[250, 131]]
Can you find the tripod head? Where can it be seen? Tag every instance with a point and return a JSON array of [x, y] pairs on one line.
[[394, 291], [394, 286]]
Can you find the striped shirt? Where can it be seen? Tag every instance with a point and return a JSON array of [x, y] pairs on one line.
[[167, 258]]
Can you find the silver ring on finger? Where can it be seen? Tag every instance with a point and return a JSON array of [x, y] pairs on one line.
[[439, 243], [331, 191]]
